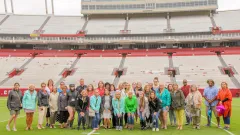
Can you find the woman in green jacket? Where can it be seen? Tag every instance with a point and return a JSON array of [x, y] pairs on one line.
[[131, 108], [119, 109], [165, 98], [29, 105], [178, 101]]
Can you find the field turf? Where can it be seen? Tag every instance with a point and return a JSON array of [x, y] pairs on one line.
[[234, 130]]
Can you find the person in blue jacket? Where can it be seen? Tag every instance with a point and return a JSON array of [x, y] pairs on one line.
[[165, 98], [118, 104], [29, 105], [95, 102]]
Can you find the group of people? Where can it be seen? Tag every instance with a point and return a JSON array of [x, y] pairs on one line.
[[118, 107]]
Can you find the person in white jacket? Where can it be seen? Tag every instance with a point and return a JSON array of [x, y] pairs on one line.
[[53, 105]]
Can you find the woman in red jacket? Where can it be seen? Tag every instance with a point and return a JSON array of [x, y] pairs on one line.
[[101, 88], [225, 98]]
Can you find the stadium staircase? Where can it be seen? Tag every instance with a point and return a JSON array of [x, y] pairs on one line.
[[68, 71], [85, 25], [230, 74], [4, 19], [171, 66], [120, 70], [212, 20], [44, 23], [17, 71], [126, 24]]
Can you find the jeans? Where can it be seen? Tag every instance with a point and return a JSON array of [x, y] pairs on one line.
[[226, 120], [142, 118], [96, 120], [172, 116], [155, 120], [131, 119], [119, 120], [81, 119]]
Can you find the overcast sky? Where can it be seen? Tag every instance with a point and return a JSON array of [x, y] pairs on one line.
[[73, 7]]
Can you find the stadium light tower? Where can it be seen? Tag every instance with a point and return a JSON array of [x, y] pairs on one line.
[[46, 6], [5, 6], [12, 6], [52, 7]]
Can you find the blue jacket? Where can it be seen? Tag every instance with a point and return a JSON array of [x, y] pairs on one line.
[[118, 106], [95, 103], [29, 101], [165, 97]]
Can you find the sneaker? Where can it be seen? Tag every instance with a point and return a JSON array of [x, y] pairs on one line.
[[198, 127], [120, 128], [84, 128], [186, 123], [14, 129], [157, 129], [8, 128], [153, 129], [226, 128], [207, 125], [117, 128]]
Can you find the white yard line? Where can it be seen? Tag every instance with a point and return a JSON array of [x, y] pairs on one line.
[[230, 133], [7, 120]]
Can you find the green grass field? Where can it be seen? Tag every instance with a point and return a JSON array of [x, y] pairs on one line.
[[235, 126]]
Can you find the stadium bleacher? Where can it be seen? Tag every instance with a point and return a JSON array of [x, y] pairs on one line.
[[21, 24], [222, 19], [191, 23], [105, 26], [64, 25]]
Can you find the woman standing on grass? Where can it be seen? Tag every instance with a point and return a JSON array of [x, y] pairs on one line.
[[29, 105], [194, 102], [154, 105], [90, 91], [165, 97], [49, 89], [225, 98], [81, 108], [14, 105], [106, 108], [131, 108], [178, 102], [112, 93], [119, 110], [42, 105], [143, 110], [71, 97], [172, 115], [147, 92], [62, 107], [95, 103], [53, 105]]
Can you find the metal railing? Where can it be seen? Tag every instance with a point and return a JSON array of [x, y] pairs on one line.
[[122, 38]]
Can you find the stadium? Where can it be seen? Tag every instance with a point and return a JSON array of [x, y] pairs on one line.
[[122, 41]]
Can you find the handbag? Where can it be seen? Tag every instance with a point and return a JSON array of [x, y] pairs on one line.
[[91, 111]]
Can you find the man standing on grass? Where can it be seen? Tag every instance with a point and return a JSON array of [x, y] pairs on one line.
[[82, 86], [210, 94], [185, 89]]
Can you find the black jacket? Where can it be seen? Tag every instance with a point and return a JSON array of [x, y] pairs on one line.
[[103, 102], [81, 106], [43, 99], [154, 105], [72, 98]]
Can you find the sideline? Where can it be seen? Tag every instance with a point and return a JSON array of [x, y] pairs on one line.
[[7, 120], [221, 128]]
